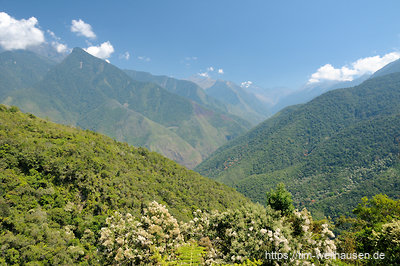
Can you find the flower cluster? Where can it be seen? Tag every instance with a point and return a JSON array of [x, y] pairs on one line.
[[154, 237]]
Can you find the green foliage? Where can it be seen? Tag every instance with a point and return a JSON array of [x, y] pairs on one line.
[[380, 209], [331, 151], [191, 254], [250, 263], [376, 229], [59, 184], [387, 241], [280, 199]]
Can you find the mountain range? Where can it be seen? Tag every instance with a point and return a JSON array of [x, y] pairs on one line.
[[185, 125], [330, 151]]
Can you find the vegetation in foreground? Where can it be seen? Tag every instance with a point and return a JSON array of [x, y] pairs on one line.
[[52, 176], [69, 196], [255, 235]]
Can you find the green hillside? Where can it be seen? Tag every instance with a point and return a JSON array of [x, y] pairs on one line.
[[90, 93], [331, 151], [53, 176], [20, 69]]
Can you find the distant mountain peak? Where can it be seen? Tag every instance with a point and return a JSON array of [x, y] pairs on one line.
[[77, 49], [203, 82]]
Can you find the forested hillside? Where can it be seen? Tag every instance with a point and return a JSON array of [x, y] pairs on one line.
[[330, 151], [70, 196], [20, 69]]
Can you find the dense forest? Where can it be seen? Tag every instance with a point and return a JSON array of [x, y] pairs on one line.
[[76, 177]]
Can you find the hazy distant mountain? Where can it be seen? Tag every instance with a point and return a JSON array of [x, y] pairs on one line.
[[204, 82], [330, 152], [310, 91], [238, 101], [88, 92], [270, 96], [183, 88]]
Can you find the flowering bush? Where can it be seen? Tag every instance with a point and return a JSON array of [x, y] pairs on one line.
[[233, 236], [153, 238], [388, 242]]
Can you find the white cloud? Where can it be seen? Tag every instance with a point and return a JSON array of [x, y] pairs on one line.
[[125, 56], [367, 65], [210, 69], [53, 35], [57, 45], [204, 74], [144, 58], [209, 72], [103, 51], [246, 84], [60, 48], [82, 28], [19, 34]]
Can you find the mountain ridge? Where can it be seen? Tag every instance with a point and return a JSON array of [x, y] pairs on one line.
[[187, 89], [237, 100]]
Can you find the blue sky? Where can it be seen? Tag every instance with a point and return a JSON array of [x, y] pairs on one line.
[[271, 43]]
